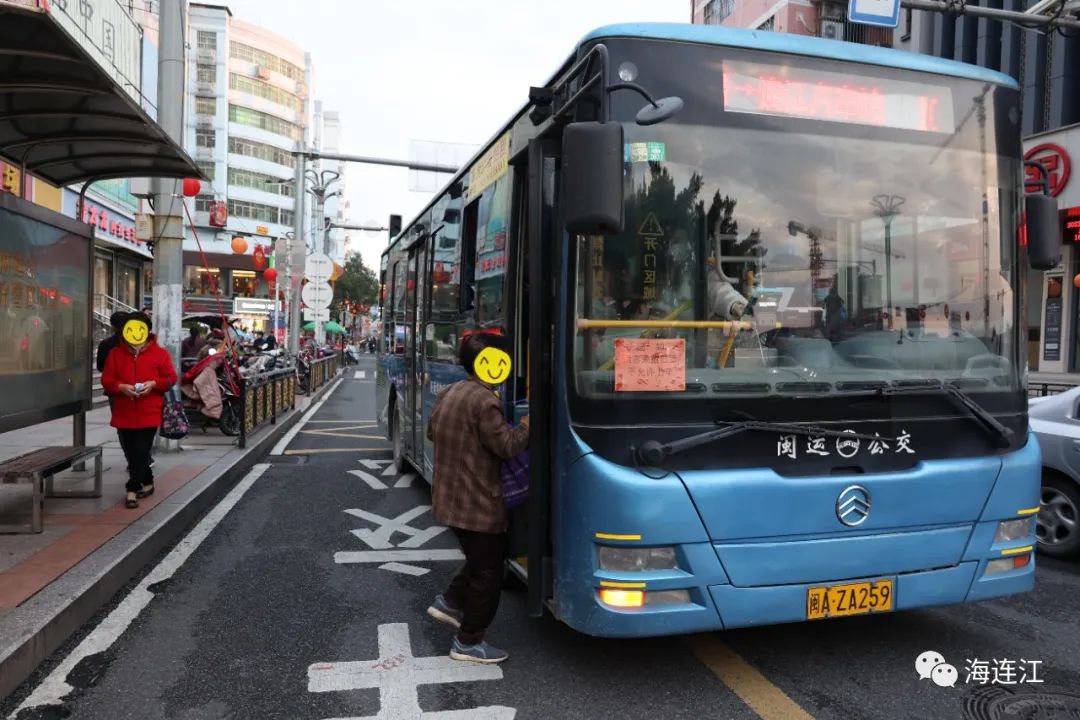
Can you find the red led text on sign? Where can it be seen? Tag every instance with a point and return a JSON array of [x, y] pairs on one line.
[[816, 95], [1057, 163]]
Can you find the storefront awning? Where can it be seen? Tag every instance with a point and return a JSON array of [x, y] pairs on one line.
[[63, 117]]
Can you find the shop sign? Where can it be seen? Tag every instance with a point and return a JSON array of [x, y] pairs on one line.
[[113, 227], [253, 306], [262, 230], [10, 179], [1058, 166]]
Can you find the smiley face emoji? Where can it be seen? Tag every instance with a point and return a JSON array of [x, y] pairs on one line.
[[492, 366], [135, 332]]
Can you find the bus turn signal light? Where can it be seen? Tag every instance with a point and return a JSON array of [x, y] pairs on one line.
[[622, 598]]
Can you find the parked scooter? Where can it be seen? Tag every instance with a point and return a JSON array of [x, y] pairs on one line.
[[209, 395], [352, 355]]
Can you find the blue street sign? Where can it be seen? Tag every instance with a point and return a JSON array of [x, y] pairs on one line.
[[885, 13]]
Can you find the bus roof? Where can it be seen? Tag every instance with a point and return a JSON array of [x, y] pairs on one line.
[[800, 45], [754, 40]]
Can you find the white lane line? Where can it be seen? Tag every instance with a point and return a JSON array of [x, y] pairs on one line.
[[404, 569], [55, 688], [284, 442], [384, 556], [359, 375]]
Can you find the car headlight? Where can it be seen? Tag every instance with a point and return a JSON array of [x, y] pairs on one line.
[[1009, 530], [635, 559]]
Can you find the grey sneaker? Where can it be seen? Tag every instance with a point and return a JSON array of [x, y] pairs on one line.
[[442, 612], [482, 652]]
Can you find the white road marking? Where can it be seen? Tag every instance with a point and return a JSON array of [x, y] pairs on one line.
[[55, 688], [359, 375], [404, 569], [397, 673], [375, 483], [380, 539], [384, 556], [284, 442]]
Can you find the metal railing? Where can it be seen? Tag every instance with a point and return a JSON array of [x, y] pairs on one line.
[[263, 397], [323, 371], [1046, 389]]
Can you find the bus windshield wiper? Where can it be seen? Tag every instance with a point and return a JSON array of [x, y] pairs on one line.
[[653, 452], [1002, 435]]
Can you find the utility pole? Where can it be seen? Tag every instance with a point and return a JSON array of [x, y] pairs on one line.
[[168, 212], [297, 273]]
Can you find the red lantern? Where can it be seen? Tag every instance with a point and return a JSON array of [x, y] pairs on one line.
[[191, 187], [271, 276], [259, 258], [239, 244]]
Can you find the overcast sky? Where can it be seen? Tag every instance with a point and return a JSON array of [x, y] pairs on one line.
[[433, 70]]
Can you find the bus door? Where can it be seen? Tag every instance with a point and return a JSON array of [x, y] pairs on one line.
[[418, 381], [411, 366], [537, 248]]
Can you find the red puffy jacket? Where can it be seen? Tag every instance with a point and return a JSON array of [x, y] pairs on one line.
[[125, 366]]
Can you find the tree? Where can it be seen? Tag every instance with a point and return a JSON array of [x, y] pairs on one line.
[[357, 284]]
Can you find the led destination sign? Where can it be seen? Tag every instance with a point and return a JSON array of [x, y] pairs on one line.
[[835, 97]]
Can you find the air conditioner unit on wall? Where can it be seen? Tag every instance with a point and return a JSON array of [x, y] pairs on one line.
[[263, 73], [832, 29]]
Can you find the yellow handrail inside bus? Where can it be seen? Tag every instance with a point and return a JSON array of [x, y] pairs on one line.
[[726, 352], [588, 323]]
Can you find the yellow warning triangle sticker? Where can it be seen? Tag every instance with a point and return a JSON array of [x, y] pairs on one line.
[[651, 227]]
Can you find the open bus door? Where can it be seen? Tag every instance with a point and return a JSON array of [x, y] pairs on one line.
[[533, 297]]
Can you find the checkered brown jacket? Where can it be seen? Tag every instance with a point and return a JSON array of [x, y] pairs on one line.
[[471, 438]]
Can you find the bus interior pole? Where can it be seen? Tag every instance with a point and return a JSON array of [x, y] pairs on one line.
[[297, 272]]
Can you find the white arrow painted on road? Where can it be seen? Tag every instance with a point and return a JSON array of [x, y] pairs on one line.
[[404, 481]]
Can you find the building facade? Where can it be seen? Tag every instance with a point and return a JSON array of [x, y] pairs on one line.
[[248, 108], [328, 140]]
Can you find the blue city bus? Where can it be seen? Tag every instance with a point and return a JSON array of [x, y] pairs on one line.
[[765, 297]]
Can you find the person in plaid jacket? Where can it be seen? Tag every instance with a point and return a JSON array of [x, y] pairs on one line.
[[472, 438]]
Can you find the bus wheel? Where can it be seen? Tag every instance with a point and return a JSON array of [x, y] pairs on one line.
[[400, 463]]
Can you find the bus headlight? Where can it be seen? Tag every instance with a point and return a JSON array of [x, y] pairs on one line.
[[635, 559], [1009, 530]]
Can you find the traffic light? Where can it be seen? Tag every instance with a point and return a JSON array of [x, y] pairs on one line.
[[395, 226]]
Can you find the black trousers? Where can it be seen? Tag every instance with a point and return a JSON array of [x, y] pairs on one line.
[[137, 445], [478, 585]]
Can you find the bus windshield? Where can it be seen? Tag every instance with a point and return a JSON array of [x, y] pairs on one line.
[[777, 258]]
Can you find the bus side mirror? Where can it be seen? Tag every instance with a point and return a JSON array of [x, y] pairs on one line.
[[592, 186], [1043, 231]]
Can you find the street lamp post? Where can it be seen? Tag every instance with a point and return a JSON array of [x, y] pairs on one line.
[[887, 207]]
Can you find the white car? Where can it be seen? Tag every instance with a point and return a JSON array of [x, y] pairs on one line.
[[1055, 420]]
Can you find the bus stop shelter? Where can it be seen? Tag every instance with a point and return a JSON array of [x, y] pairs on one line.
[[70, 93]]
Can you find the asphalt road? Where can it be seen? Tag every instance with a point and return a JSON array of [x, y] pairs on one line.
[[296, 605]]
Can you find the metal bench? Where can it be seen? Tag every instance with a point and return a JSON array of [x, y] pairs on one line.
[[39, 467]]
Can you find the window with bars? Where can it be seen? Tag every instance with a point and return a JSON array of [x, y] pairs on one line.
[[206, 138], [254, 211], [206, 106], [206, 40], [258, 88], [207, 169], [261, 151], [202, 203], [205, 73], [717, 11], [259, 181], [263, 121], [247, 53], [769, 24]]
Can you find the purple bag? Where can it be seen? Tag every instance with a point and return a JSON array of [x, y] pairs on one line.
[[515, 480]]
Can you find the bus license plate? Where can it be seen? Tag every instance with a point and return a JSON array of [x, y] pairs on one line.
[[849, 599]]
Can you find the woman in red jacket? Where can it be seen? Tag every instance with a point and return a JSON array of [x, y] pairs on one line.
[[138, 373]]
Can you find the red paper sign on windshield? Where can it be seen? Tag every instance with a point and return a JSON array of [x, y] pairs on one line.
[[650, 365]]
